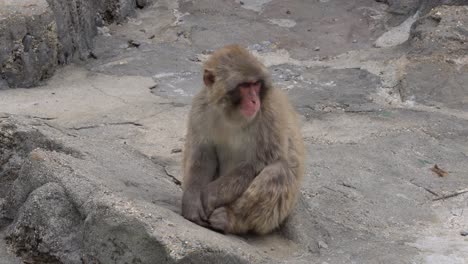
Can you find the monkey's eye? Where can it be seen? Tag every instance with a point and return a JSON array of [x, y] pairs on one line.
[[247, 85], [244, 85]]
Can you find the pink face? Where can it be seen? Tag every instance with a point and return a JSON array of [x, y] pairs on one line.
[[250, 98]]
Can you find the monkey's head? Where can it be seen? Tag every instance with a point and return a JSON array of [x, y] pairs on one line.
[[236, 83]]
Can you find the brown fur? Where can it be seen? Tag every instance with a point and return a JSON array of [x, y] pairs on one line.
[[240, 175]]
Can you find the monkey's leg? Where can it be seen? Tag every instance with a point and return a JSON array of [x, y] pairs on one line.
[[263, 206]]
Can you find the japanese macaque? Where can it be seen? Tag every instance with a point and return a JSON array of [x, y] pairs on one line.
[[244, 154]]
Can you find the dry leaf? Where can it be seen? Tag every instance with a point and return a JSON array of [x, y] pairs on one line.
[[440, 172]]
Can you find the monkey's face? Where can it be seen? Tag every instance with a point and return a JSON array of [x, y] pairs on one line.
[[245, 100], [236, 84], [249, 98]]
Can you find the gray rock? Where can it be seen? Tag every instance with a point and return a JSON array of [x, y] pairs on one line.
[[6, 254], [117, 10], [48, 226], [29, 43], [396, 35], [436, 83], [368, 188], [110, 205], [427, 5], [142, 3], [37, 36], [443, 30], [402, 7], [409, 7], [308, 234], [324, 89], [76, 27]]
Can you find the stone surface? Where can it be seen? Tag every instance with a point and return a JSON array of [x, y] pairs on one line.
[[76, 27], [401, 10], [6, 253], [443, 30], [397, 35], [29, 42], [91, 152], [47, 227], [437, 82], [37, 36], [106, 204]]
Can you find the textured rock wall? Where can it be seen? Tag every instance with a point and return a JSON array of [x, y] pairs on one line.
[[29, 44], [37, 36]]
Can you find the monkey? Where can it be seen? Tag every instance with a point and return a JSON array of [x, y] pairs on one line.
[[243, 160]]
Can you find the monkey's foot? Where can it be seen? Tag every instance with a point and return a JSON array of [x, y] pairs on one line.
[[219, 219]]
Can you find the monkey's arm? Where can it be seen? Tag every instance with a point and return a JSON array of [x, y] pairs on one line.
[[200, 170], [227, 188]]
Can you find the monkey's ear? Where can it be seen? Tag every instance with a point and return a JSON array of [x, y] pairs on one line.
[[208, 78]]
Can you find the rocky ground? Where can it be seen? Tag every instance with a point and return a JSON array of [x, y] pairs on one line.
[[89, 157]]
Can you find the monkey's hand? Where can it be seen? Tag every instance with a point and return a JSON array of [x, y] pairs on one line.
[[227, 188], [209, 199], [192, 208]]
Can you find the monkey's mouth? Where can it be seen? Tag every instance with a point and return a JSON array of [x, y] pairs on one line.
[[250, 106]]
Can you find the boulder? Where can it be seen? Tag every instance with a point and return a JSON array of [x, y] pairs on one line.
[[75, 199], [444, 30]]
